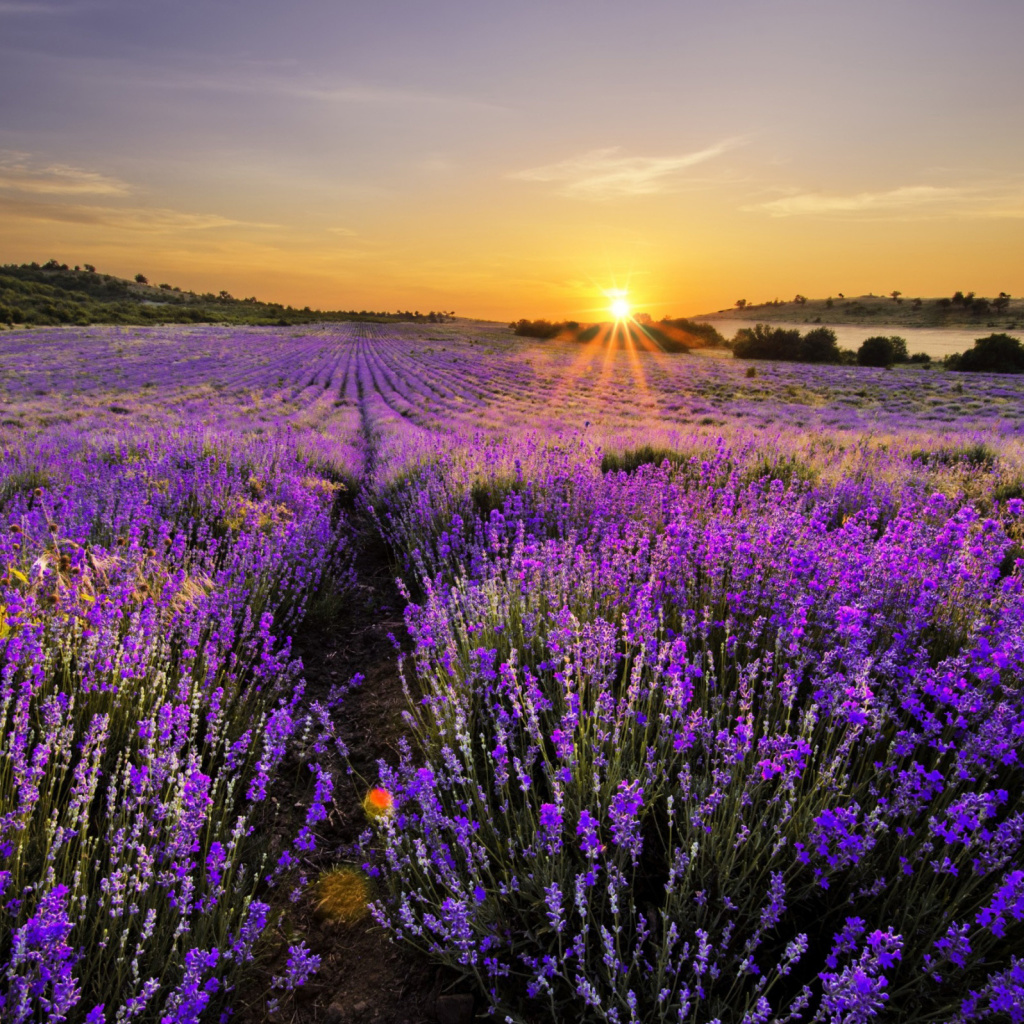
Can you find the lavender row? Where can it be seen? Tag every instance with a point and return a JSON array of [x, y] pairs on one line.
[[147, 697], [716, 739]]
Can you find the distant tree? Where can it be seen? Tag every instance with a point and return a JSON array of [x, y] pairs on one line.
[[895, 295], [535, 328], [800, 300], [89, 267], [828, 302], [763, 341], [882, 351], [819, 346], [1002, 302], [841, 295], [166, 287], [917, 303], [706, 333], [958, 298], [740, 303], [998, 353], [979, 307], [141, 279]]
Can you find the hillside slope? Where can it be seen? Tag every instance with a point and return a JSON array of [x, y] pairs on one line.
[[52, 294], [958, 311]]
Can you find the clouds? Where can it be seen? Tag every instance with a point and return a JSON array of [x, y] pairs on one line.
[[19, 174], [604, 174], [60, 193], [974, 200], [130, 218], [894, 200]]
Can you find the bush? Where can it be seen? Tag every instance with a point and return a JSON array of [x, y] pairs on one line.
[[706, 333], [882, 351], [762, 341], [998, 353], [820, 346], [536, 328]]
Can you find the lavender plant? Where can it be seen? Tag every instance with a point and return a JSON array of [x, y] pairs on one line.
[[147, 695], [697, 745]]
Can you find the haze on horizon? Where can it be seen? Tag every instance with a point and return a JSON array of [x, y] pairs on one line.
[[508, 160]]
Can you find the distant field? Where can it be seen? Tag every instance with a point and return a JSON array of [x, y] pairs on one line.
[[623, 686]]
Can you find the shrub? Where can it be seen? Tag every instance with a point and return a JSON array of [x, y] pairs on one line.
[[998, 353], [882, 351], [536, 328], [766, 342], [706, 334], [820, 346], [762, 341]]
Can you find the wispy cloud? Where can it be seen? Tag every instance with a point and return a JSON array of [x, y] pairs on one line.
[[19, 174], [154, 219], [607, 174], [281, 79], [908, 198]]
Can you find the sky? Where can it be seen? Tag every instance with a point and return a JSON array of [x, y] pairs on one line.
[[507, 159]]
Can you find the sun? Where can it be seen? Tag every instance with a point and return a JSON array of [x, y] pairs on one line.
[[620, 308]]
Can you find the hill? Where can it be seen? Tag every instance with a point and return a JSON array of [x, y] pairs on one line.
[[960, 310], [53, 293]]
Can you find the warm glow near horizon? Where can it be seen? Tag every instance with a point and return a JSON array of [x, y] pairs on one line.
[[396, 156]]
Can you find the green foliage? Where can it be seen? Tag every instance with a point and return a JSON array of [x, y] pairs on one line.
[[788, 469], [762, 341], [53, 294], [706, 333], [974, 456], [538, 328], [666, 342], [819, 346], [998, 353], [882, 351], [630, 460]]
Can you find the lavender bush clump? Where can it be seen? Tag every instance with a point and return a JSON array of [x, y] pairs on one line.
[[147, 695], [702, 744]]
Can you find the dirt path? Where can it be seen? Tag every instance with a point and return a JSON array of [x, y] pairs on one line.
[[363, 978]]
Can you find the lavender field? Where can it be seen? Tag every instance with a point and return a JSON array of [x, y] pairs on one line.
[[715, 680]]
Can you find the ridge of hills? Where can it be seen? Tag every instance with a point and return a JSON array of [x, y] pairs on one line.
[[52, 294], [960, 310]]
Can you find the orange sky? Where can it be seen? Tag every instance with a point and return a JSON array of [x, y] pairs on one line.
[[519, 161]]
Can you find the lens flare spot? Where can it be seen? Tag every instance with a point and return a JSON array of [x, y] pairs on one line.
[[378, 804]]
